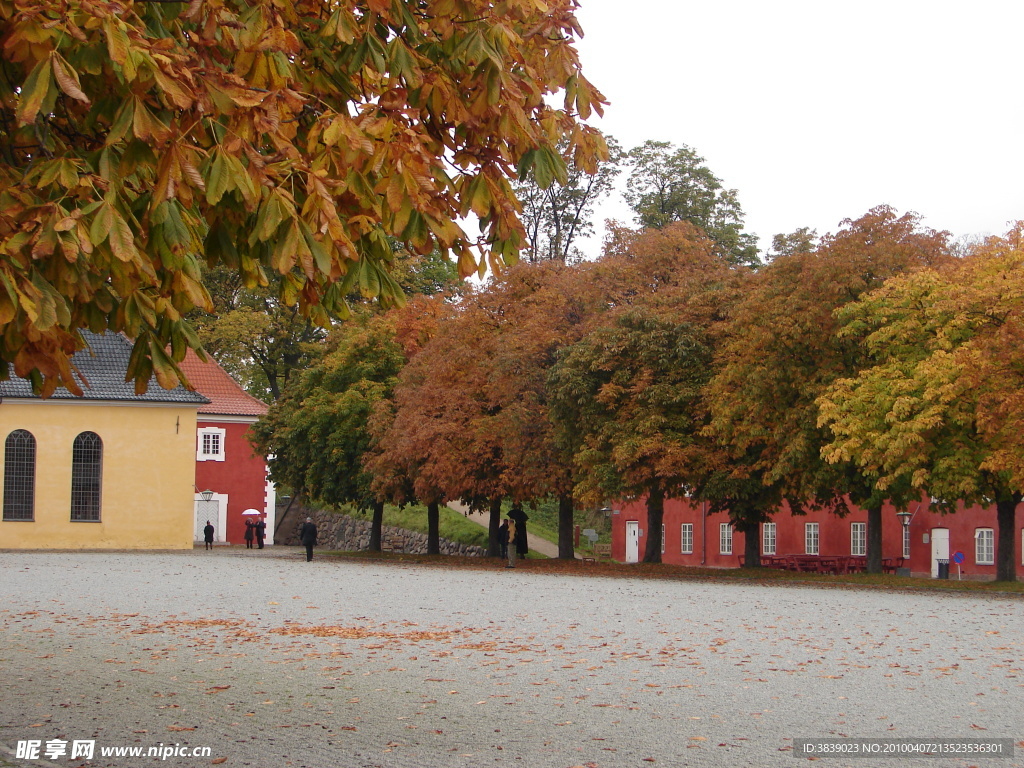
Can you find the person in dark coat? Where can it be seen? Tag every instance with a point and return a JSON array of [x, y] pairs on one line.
[[208, 535], [308, 537], [261, 532], [250, 529], [517, 515], [503, 539]]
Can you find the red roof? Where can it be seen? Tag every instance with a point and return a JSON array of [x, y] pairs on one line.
[[226, 397]]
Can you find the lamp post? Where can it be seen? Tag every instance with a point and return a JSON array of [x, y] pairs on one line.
[[905, 519]]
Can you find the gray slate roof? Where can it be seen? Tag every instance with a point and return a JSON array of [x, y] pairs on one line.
[[103, 364]]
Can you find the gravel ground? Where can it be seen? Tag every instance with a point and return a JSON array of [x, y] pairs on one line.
[[270, 661]]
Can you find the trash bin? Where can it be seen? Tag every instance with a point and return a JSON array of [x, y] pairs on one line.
[[943, 569]]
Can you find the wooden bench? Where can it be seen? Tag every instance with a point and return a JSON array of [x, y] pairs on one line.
[[393, 544], [603, 550]]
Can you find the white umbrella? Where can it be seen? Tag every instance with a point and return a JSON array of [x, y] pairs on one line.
[[252, 512]]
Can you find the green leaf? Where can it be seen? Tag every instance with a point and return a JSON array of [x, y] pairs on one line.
[[216, 179], [34, 92]]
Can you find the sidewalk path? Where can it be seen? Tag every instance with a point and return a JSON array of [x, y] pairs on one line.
[[545, 547]]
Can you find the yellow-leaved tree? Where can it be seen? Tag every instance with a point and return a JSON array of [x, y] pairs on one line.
[[141, 138]]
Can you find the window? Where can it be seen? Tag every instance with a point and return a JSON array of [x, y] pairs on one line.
[[210, 444], [663, 538], [859, 539], [686, 539], [810, 538], [984, 546], [906, 542], [19, 476], [86, 477], [768, 539], [725, 539]]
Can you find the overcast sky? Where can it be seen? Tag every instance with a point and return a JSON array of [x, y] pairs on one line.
[[816, 111]]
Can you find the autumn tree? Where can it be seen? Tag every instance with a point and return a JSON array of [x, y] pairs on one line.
[[783, 350], [939, 405], [557, 215], [802, 240], [625, 398], [317, 434], [462, 408], [255, 337], [138, 139], [533, 310], [669, 183], [263, 342]]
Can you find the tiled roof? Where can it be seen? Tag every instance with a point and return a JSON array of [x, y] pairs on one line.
[[226, 397], [103, 365]]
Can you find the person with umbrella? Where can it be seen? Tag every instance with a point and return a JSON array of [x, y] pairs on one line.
[[519, 517], [250, 526]]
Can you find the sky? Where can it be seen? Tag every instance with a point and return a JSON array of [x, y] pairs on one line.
[[817, 111]]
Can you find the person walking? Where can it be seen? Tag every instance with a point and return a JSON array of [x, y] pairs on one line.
[[208, 535], [261, 532], [511, 546], [308, 537], [249, 533]]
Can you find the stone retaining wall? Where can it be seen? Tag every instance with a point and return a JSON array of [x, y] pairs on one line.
[[351, 534]]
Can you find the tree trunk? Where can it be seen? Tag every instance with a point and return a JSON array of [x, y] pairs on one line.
[[493, 547], [1006, 520], [566, 532], [433, 528], [655, 516], [874, 536], [751, 546], [376, 523]]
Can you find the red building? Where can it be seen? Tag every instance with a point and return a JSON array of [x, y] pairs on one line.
[[690, 537], [225, 461]]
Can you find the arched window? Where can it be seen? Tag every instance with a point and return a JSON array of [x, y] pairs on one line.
[[86, 477], [19, 476]]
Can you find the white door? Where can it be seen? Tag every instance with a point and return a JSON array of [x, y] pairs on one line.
[[632, 541], [940, 548], [208, 510]]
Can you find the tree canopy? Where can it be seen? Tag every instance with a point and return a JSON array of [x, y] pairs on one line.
[[626, 397], [669, 183], [557, 216], [938, 406], [139, 138], [783, 349]]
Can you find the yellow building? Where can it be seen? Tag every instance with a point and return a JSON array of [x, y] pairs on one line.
[[109, 470]]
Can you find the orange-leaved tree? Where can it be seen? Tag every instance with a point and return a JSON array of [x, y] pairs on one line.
[[626, 397], [782, 351], [138, 139]]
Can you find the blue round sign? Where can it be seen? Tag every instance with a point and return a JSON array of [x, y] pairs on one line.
[[958, 557]]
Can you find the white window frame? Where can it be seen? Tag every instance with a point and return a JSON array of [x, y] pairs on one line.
[[663, 538], [812, 539], [686, 539], [219, 434], [858, 539], [769, 539], [725, 539], [984, 546], [906, 542]]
